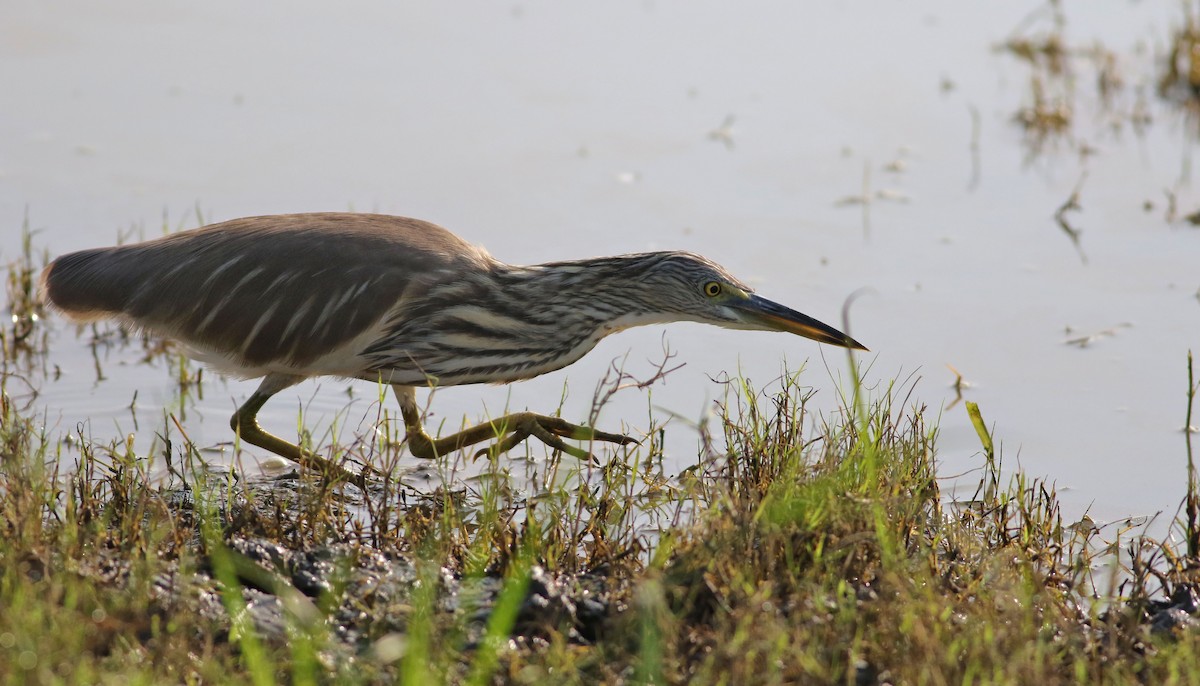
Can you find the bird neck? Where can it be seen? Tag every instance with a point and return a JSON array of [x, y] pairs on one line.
[[602, 292], [513, 322]]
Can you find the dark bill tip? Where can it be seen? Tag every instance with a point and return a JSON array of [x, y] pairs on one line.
[[771, 315]]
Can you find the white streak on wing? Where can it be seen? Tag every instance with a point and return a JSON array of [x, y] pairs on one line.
[[177, 267], [323, 320], [258, 325], [212, 314], [344, 299], [278, 280], [297, 316], [154, 284], [220, 306], [217, 272], [250, 275], [362, 287]]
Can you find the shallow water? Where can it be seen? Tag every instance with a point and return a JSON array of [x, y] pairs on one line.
[[545, 131]]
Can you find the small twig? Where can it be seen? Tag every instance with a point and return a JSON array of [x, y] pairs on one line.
[[1060, 216], [609, 385], [1193, 498], [974, 147], [1172, 212], [960, 384]]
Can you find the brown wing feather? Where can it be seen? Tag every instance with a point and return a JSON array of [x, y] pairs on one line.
[[263, 290]]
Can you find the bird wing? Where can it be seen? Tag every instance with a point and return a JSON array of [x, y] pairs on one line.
[[265, 293]]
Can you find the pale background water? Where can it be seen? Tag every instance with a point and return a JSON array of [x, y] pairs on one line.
[[549, 130]]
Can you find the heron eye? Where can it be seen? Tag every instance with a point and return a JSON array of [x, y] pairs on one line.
[[712, 289]]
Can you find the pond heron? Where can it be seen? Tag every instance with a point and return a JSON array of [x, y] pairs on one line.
[[398, 301]]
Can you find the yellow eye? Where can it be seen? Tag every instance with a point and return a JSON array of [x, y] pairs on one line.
[[712, 289]]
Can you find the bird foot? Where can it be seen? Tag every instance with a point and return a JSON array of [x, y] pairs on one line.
[[551, 431], [511, 430]]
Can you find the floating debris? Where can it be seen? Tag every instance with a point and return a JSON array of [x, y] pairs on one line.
[[1085, 341]]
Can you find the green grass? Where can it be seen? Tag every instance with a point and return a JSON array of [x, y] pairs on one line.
[[798, 549]]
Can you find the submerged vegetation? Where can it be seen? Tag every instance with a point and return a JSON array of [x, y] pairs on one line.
[[1083, 94], [797, 549], [1180, 79], [1062, 73]]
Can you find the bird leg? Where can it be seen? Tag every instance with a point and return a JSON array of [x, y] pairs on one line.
[[245, 425], [511, 429]]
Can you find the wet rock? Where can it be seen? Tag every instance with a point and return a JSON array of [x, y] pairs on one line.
[[359, 598], [267, 613], [1176, 614], [1171, 620], [556, 604]]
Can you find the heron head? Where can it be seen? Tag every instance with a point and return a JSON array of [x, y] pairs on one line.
[[703, 291]]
